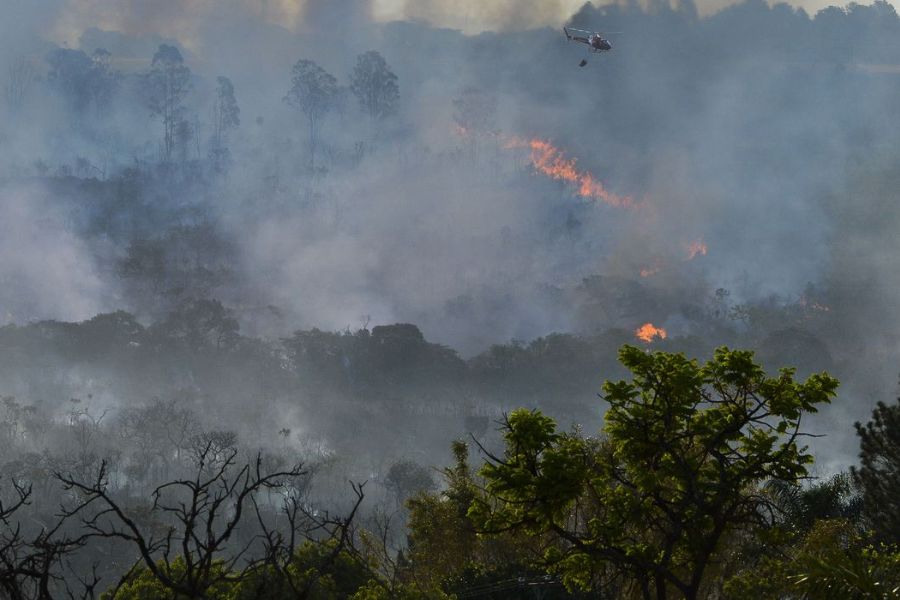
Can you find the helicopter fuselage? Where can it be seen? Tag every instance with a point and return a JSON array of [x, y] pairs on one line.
[[598, 44]]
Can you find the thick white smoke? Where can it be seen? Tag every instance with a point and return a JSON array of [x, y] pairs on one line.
[[46, 271]]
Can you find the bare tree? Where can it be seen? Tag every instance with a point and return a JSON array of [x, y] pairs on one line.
[[315, 92], [166, 86], [336, 535], [199, 519], [161, 432], [225, 117], [21, 76], [85, 428], [34, 557]]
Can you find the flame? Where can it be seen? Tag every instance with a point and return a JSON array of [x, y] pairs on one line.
[[549, 160], [647, 332], [816, 306], [648, 271], [696, 248]]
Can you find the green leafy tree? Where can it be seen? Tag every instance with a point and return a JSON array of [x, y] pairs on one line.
[[376, 590], [317, 571], [446, 554], [802, 506], [442, 539], [878, 475], [143, 584], [685, 451], [834, 561]]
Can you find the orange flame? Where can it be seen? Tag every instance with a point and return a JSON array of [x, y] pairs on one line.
[[648, 271], [696, 248], [647, 332], [549, 160]]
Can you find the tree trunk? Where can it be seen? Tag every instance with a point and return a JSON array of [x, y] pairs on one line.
[[661, 589], [312, 142]]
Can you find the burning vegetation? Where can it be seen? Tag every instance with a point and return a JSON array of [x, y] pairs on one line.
[[649, 332], [185, 313], [695, 249], [549, 160]]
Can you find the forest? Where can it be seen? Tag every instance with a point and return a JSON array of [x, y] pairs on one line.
[[300, 301], [697, 485]]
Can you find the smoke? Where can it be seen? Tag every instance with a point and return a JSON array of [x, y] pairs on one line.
[[190, 20], [717, 177], [46, 271], [198, 25], [475, 17], [407, 242]]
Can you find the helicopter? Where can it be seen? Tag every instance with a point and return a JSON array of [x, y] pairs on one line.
[[593, 39]]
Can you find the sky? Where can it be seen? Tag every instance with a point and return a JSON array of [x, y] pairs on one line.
[[182, 19]]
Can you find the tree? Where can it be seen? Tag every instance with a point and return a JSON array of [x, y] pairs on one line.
[[374, 85], [315, 558], [187, 552], [83, 81], [878, 475], [802, 506], [441, 537], [20, 77], [33, 554], [200, 324], [317, 571], [834, 561], [159, 432], [165, 87], [225, 117], [407, 477], [446, 553], [314, 91], [686, 448]]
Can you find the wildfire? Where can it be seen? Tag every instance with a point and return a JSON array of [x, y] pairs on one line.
[[696, 248], [649, 271], [648, 332], [549, 160], [804, 303]]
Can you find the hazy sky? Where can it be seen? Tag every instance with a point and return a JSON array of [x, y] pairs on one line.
[[180, 19], [475, 15]]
